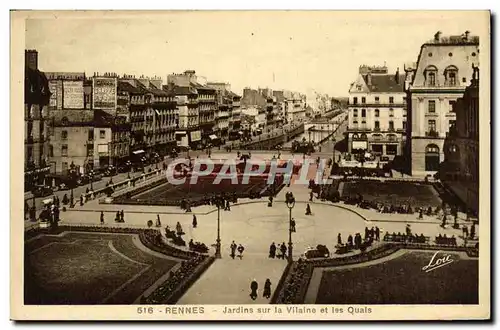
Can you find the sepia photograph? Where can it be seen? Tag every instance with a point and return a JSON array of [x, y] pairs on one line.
[[272, 165]]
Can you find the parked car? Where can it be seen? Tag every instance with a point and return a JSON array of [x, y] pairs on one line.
[[42, 191], [321, 251]]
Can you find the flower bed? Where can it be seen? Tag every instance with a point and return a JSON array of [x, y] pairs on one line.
[[152, 239], [179, 281]]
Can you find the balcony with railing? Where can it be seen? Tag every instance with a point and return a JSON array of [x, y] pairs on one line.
[[432, 133]]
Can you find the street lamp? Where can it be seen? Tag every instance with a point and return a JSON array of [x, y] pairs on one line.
[[290, 203], [218, 202]]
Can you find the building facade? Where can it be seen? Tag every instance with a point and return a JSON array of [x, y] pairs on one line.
[[377, 112], [439, 79], [460, 169], [36, 119]]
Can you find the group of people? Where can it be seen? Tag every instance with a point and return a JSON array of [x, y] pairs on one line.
[[372, 234], [254, 286], [273, 251], [237, 247], [469, 234], [120, 216]]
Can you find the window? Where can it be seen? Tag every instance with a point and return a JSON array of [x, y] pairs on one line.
[[452, 124], [391, 99], [464, 80], [64, 135], [431, 125], [391, 112], [430, 54], [473, 54], [391, 126], [452, 105], [450, 54], [431, 79], [431, 106], [64, 150], [377, 113], [377, 125], [363, 100], [377, 99], [355, 122], [450, 75], [404, 125], [102, 134], [354, 100], [355, 112], [363, 112], [432, 157]]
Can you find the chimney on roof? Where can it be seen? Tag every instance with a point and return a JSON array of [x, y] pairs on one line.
[[369, 78], [397, 76], [31, 59], [437, 36], [466, 35]]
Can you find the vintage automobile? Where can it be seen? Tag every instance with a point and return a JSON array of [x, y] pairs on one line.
[[42, 191], [321, 251]]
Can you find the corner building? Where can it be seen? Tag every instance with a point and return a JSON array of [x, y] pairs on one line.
[[442, 72], [377, 112]]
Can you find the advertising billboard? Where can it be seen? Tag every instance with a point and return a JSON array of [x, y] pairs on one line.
[[73, 94], [104, 93], [53, 94], [59, 94], [195, 136], [360, 145]]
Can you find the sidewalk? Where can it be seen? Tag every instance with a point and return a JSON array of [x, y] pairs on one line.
[[227, 281]]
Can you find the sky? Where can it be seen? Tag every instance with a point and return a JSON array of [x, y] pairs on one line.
[[299, 51]]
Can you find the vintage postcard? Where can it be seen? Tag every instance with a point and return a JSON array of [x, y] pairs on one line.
[[250, 165]]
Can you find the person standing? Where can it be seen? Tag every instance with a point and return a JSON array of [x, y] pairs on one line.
[[349, 240], [377, 233], [117, 216], [283, 251], [339, 239], [228, 207], [272, 251], [195, 221], [122, 216], [311, 196], [254, 286], [267, 289], [308, 209], [473, 231], [158, 221], [102, 217], [292, 225], [240, 251], [465, 231], [233, 249]]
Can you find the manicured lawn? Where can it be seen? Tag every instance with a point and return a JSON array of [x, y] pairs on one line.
[[402, 281], [92, 268], [395, 193]]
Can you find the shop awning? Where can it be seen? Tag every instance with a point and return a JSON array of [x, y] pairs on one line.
[[180, 133], [138, 152], [213, 137]]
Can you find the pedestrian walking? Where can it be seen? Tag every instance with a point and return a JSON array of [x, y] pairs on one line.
[[228, 207], [117, 216], [311, 196], [254, 286], [283, 250], [465, 231], [339, 239], [377, 233], [292, 225], [267, 289], [233, 249], [473, 231], [158, 221], [195, 222], [308, 209], [122, 216], [102, 217], [240, 251]]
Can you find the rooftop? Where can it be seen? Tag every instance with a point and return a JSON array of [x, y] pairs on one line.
[[385, 83]]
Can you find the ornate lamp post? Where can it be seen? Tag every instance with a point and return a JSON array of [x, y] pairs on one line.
[[290, 203], [218, 202]]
